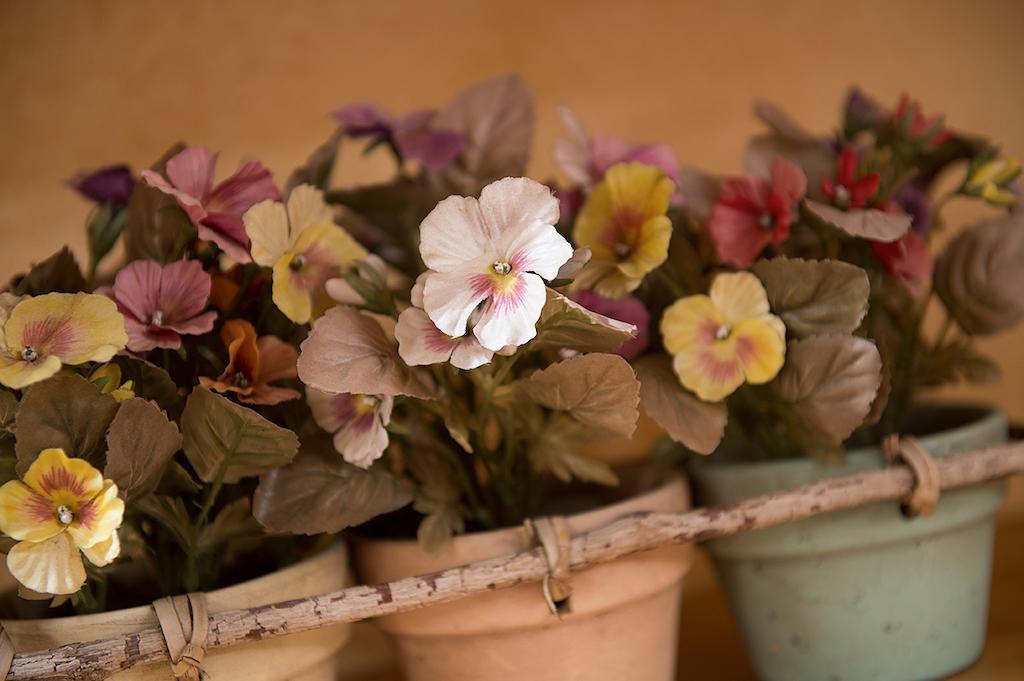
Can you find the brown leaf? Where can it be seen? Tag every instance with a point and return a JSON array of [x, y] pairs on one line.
[[870, 223], [8, 411], [688, 420], [140, 442], [980, 276], [815, 296], [65, 411], [156, 226], [496, 118], [320, 492], [788, 139], [566, 324], [219, 434], [699, 191], [57, 274], [598, 390], [831, 381], [148, 380], [348, 352], [316, 171], [555, 450]]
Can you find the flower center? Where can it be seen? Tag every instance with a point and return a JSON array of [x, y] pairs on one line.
[[297, 263], [842, 196], [366, 403], [29, 354], [501, 267], [241, 380], [622, 250], [65, 515], [722, 332], [766, 221], [157, 318]]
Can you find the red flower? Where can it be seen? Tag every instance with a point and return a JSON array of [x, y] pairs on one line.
[[927, 130], [907, 260], [850, 190], [752, 212]]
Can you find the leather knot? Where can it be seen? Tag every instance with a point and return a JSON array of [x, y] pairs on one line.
[[555, 538], [928, 485], [185, 623]]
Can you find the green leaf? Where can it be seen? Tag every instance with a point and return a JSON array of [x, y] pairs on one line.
[[566, 324], [554, 451], [171, 514], [815, 296], [176, 481], [598, 390], [437, 529], [316, 171], [155, 227], [8, 410], [65, 411], [321, 492], [103, 231], [688, 420], [57, 274], [140, 442], [221, 435], [148, 380], [233, 521]]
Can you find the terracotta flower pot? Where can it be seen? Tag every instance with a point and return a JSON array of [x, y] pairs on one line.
[[865, 594], [622, 625], [307, 656]]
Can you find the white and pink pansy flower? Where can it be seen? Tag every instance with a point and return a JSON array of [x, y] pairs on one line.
[[493, 253], [358, 422], [421, 342]]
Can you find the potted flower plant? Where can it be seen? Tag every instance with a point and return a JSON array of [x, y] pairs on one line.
[[787, 332]]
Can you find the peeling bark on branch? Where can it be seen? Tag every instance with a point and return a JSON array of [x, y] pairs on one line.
[[93, 660]]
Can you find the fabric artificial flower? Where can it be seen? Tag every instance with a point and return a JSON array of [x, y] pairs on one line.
[[62, 509], [160, 303], [907, 260], [990, 180], [929, 131], [253, 364], [358, 422], [493, 253], [913, 200], [721, 340], [43, 333], [625, 226], [412, 135], [107, 378], [861, 112], [850, 189], [629, 309], [216, 211], [752, 212], [421, 342], [304, 247], [111, 184]]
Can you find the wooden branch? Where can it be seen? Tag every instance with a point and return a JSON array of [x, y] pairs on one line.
[[97, 659]]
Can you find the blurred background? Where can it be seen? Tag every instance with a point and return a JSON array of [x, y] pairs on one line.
[[87, 83]]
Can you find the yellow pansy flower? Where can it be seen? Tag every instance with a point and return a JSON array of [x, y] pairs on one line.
[[62, 509], [989, 181], [720, 340], [303, 246], [624, 225], [43, 333], [108, 379]]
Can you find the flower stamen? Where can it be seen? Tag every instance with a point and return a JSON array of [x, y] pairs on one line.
[[157, 319], [29, 354], [297, 263], [766, 221], [722, 332], [65, 515], [241, 380], [501, 267]]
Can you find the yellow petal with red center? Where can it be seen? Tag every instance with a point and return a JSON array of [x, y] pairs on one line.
[[17, 373], [25, 514], [651, 250], [74, 327], [96, 520], [104, 552], [712, 371], [595, 225], [52, 566], [641, 189], [760, 348], [63, 480], [690, 322], [740, 296]]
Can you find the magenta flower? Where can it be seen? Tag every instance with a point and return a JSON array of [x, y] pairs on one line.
[[159, 303], [411, 135], [216, 211], [629, 309]]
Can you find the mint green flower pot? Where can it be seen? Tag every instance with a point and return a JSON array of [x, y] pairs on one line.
[[864, 594]]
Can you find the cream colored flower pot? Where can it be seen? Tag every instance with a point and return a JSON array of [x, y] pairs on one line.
[[623, 622], [307, 656]]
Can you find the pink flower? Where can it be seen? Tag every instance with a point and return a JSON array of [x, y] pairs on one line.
[[411, 135], [215, 211], [752, 212], [358, 422], [629, 309], [586, 159], [907, 260], [159, 303]]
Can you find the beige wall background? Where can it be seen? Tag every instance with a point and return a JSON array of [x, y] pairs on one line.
[[86, 83]]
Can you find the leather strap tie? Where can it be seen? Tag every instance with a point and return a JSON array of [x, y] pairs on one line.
[[555, 538], [6, 652], [925, 495], [184, 623]]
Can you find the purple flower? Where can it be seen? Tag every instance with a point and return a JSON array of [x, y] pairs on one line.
[[629, 309], [159, 303], [411, 135], [110, 184], [915, 202], [862, 112]]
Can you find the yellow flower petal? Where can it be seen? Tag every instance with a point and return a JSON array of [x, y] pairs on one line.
[[290, 293], [72, 482], [18, 374], [760, 348], [712, 371], [306, 207], [652, 248], [266, 224], [96, 520], [640, 187], [53, 566], [25, 514], [104, 552], [740, 296], [689, 322]]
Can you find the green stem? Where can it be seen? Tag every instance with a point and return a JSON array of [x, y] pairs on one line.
[[665, 278]]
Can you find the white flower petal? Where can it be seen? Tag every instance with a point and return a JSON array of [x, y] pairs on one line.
[[454, 233], [361, 444], [419, 341], [470, 354], [53, 566], [321, 403], [104, 552], [512, 204], [450, 297], [416, 294], [266, 224], [511, 318], [536, 248]]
